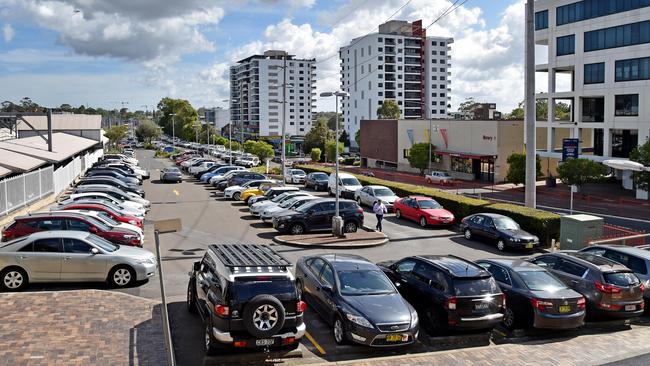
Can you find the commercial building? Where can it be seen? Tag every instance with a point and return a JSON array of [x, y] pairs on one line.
[[398, 63], [479, 111], [602, 51], [216, 117], [466, 149], [256, 94]]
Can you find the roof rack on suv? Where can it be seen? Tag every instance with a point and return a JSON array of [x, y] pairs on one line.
[[249, 257]]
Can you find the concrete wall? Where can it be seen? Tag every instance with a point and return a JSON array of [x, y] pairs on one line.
[[378, 140], [510, 140]]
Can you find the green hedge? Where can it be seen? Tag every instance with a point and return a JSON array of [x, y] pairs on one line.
[[544, 224]]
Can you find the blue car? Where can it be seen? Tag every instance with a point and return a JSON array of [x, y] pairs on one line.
[[205, 178], [168, 149]]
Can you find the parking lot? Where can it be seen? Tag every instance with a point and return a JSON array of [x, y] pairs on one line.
[[208, 218]]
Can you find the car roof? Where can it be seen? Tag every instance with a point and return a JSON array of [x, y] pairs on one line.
[[489, 214], [74, 234], [376, 186], [284, 188], [592, 260], [645, 254], [515, 264], [37, 215], [456, 266], [421, 198], [346, 261]]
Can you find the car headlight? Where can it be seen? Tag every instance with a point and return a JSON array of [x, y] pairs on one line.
[[146, 261], [414, 318], [516, 240], [133, 222], [359, 320], [433, 217]]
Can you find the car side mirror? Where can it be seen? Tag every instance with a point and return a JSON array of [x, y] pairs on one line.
[[327, 288], [94, 251], [196, 266], [311, 211], [93, 230]]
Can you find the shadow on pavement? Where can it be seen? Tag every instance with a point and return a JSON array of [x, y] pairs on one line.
[[146, 341], [490, 247]]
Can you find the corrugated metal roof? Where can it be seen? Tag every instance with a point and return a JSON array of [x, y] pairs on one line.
[[63, 146], [63, 122], [18, 162]]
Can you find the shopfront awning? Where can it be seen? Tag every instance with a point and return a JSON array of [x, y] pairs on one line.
[[463, 154]]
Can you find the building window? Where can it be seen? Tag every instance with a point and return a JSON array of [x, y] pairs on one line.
[[627, 105], [434, 69], [434, 43], [633, 69], [434, 78], [442, 44], [380, 39], [461, 165], [589, 9], [620, 36], [541, 20], [595, 73], [434, 52], [566, 45], [593, 109], [436, 158], [434, 103], [442, 53], [442, 95], [442, 111]]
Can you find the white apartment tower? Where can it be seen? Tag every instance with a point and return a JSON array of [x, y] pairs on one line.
[[256, 95], [603, 48], [398, 63]]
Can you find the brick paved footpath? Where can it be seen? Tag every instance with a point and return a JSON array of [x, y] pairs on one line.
[[89, 327]]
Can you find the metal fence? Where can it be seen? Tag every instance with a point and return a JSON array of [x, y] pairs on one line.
[[19, 191]]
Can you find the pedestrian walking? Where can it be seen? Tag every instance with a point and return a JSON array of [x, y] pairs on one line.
[[379, 209]]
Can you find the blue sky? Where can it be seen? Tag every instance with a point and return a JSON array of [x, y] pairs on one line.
[[103, 52]]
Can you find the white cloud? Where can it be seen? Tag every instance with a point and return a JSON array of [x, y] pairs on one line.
[[8, 33]]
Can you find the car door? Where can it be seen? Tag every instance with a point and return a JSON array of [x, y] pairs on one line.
[[400, 274], [406, 207], [503, 278], [80, 264], [317, 216], [310, 281], [324, 296], [476, 225], [42, 259], [571, 273], [489, 230], [368, 196], [428, 286], [204, 278]]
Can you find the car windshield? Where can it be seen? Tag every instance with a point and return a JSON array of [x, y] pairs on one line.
[[106, 217], [369, 282], [623, 279], [279, 197], [102, 243], [506, 223], [172, 170], [541, 281], [383, 192], [289, 202], [99, 224], [298, 172], [320, 176], [350, 182], [304, 207], [429, 204]]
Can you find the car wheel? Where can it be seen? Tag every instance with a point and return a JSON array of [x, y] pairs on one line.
[[330, 192], [501, 245], [236, 196], [264, 316], [509, 320], [398, 214], [297, 229], [350, 227], [191, 299], [423, 221], [13, 279], [359, 201], [428, 181], [121, 276], [434, 323], [339, 332], [210, 344], [468, 234]]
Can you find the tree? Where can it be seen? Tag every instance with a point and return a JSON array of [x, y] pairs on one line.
[[468, 105], [116, 134], [357, 137], [344, 138], [642, 155], [235, 145], [249, 146], [388, 110], [185, 118], [261, 149], [580, 171], [419, 156], [517, 113], [330, 150], [147, 130], [220, 140], [517, 169], [315, 154], [317, 136], [562, 111]]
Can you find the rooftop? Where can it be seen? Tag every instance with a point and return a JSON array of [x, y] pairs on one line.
[[63, 146]]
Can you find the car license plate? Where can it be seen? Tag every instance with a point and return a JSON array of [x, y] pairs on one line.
[[481, 306], [565, 308], [264, 342], [393, 338], [630, 307], [529, 246]]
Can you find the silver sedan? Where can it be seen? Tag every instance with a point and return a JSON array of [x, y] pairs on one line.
[[71, 256]]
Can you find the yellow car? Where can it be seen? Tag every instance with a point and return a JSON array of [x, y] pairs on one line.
[[252, 192]]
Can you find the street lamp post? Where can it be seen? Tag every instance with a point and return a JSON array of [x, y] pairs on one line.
[[233, 100], [337, 221], [173, 131]]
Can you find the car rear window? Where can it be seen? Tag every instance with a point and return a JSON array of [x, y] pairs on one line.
[[623, 279], [246, 288], [541, 281], [475, 286]]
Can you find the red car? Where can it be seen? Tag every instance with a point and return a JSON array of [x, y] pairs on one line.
[[184, 158], [117, 216], [424, 210], [44, 221]]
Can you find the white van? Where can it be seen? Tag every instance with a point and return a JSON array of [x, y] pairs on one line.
[[348, 184]]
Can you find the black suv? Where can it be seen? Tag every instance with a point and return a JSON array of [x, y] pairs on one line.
[[447, 291], [317, 215], [247, 298]]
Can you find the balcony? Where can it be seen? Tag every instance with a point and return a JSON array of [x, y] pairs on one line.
[[412, 78], [412, 52], [389, 94], [389, 41], [411, 61], [412, 43], [391, 77], [413, 95], [412, 70], [412, 87], [389, 68], [389, 86], [390, 59], [389, 50]]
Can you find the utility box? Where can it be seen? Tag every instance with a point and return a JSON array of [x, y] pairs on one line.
[[577, 230]]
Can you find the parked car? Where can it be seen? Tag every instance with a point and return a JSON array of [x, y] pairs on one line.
[[317, 215], [107, 220], [257, 208], [261, 191], [81, 257], [355, 298], [269, 194], [171, 174], [348, 184], [63, 220], [368, 195], [295, 176], [112, 182], [316, 180], [108, 208], [243, 176], [424, 210], [218, 175], [234, 192], [248, 162], [132, 180], [206, 175], [124, 166], [200, 167], [113, 191], [636, 259], [502, 230], [291, 203], [127, 207], [439, 178], [610, 289], [534, 297], [448, 292], [256, 308], [220, 182]]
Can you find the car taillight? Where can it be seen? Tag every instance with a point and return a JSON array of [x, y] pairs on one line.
[[642, 305], [582, 303], [450, 303], [301, 306], [541, 305], [642, 288], [222, 310], [607, 288], [360, 210], [503, 300]]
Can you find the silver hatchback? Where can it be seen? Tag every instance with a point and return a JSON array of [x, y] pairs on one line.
[[71, 256]]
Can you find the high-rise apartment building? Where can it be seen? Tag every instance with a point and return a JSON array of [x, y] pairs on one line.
[[398, 63], [256, 94]]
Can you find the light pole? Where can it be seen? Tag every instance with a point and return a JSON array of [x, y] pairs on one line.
[[529, 86], [337, 221], [284, 124], [424, 108], [173, 131], [233, 100], [241, 113]]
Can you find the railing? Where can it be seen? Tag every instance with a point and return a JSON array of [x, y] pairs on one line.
[[19, 191], [613, 234]]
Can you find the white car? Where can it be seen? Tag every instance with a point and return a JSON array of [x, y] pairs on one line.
[[291, 203], [201, 167], [190, 162], [214, 180], [132, 206], [439, 178], [108, 220], [257, 207], [368, 195], [295, 176], [348, 185], [234, 192]]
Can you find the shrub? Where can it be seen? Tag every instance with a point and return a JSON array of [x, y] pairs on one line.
[[544, 224], [315, 154]]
